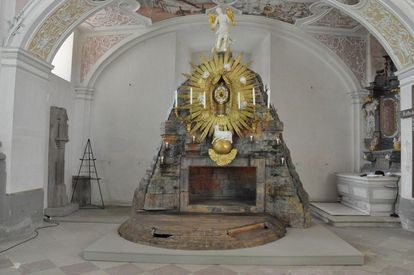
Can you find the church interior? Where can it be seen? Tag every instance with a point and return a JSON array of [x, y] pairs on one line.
[[206, 137]]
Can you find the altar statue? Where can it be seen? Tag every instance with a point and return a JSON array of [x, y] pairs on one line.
[[222, 135], [223, 30], [370, 109]]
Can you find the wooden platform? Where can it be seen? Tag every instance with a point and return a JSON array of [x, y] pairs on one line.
[[201, 231]]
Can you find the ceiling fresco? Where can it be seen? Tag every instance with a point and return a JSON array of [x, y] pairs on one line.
[[283, 10]]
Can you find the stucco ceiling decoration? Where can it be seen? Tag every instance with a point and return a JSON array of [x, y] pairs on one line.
[[283, 10], [112, 15], [393, 31], [387, 27], [95, 47], [56, 24], [351, 49], [337, 20]]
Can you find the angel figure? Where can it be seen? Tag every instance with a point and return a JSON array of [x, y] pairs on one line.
[[223, 30], [370, 109]]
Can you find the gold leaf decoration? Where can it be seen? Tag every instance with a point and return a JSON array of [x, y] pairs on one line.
[[392, 30], [222, 160], [204, 80]]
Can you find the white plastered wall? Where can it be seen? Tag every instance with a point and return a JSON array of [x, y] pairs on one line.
[[134, 93], [131, 100]]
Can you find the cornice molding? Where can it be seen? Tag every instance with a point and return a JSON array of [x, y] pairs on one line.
[[84, 93], [406, 76], [20, 59]]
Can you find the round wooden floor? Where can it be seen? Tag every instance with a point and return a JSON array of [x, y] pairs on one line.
[[201, 231]]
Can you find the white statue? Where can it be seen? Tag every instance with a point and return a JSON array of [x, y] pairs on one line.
[[370, 109], [223, 31], [222, 135]]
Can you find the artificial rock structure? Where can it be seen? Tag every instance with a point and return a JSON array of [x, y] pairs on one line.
[[223, 152]]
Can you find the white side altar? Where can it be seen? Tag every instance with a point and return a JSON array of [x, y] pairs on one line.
[[375, 196]]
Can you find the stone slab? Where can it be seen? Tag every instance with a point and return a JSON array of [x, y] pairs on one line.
[[356, 221], [406, 212], [338, 209], [312, 246], [62, 211], [20, 213]]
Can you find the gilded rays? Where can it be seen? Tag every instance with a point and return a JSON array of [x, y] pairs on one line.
[[236, 113]]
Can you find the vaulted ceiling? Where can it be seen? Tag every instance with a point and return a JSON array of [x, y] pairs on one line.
[[153, 11]]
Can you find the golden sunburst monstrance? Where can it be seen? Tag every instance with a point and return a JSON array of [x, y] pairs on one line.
[[220, 91]]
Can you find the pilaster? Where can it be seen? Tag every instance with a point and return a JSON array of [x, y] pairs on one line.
[[357, 100], [24, 81], [406, 78]]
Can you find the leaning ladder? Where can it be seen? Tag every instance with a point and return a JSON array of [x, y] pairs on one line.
[[88, 162]]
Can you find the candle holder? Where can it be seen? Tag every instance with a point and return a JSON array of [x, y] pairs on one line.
[[186, 119], [278, 141], [193, 139], [282, 161], [161, 158], [251, 137]]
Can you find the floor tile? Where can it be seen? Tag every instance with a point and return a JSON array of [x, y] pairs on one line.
[[5, 263], [105, 265], [397, 244], [274, 270], [310, 271], [149, 266], [239, 268], [9, 271], [170, 270], [125, 269], [30, 268], [53, 271], [99, 272], [388, 251], [78, 269], [393, 270], [352, 271], [217, 270], [192, 268]]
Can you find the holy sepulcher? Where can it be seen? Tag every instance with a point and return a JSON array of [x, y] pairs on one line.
[[304, 108]]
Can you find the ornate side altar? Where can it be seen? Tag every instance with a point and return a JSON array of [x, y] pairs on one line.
[[224, 177], [377, 195], [382, 122]]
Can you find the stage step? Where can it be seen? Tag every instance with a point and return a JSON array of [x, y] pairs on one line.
[[340, 215]]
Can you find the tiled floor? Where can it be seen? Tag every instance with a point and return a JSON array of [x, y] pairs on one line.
[[58, 250]]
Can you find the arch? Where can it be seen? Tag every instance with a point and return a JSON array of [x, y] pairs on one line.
[[44, 25], [43, 37], [279, 28], [392, 31]]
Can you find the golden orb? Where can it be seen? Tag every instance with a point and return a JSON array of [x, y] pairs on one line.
[[222, 146]]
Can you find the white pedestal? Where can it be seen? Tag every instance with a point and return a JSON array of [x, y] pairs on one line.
[[311, 246], [372, 195]]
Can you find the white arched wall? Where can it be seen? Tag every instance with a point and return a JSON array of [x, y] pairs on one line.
[[133, 91]]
